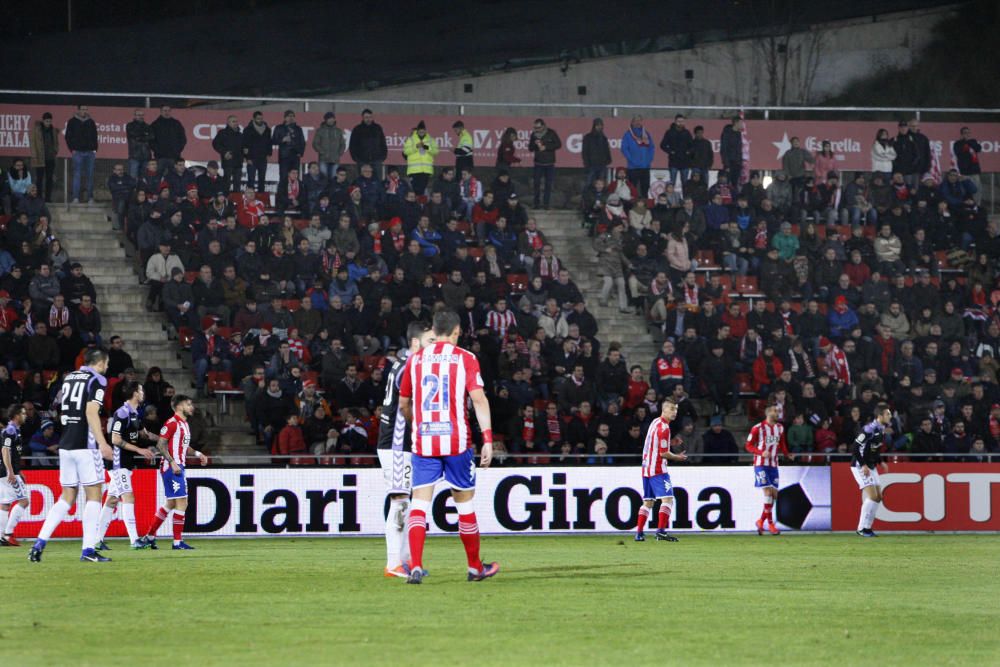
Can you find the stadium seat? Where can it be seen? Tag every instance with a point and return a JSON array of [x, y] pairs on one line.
[[371, 362], [476, 252], [18, 377], [439, 278], [49, 375], [311, 375], [184, 336], [300, 223], [219, 380], [190, 277], [518, 282], [225, 332], [292, 305]]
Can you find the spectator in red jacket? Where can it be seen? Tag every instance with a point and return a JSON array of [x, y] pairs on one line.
[[290, 441], [859, 272], [766, 370]]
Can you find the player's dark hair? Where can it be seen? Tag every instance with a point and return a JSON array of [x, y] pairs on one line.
[[416, 329], [94, 355], [445, 322], [13, 410], [880, 408], [129, 389], [178, 399]]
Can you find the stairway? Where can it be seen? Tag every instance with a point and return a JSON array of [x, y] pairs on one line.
[[87, 235], [574, 248]]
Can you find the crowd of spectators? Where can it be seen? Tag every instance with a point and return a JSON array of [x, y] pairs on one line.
[[819, 297]]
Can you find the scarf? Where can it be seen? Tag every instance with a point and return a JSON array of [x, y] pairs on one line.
[[5, 319], [642, 139], [210, 340], [548, 268], [469, 188], [398, 240], [259, 127], [760, 239], [554, 427], [293, 189], [58, 318], [534, 238], [690, 295], [392, 185], [787, 323], [528, 430]]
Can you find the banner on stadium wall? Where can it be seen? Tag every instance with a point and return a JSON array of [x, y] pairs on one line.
[[324, 501], [924, 496], [769, 139]]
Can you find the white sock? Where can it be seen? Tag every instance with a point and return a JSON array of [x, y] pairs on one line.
[[55, 517], [3, 520], [15, 516], [870, 514], [393, 535], [128, 516], [866, 506], [404, 516], [91, 521], [107, 515]]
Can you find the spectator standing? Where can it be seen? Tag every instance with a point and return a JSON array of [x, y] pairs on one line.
[[639, 150], [731, 150], [702, 157], [966, 151], [907, 158], [419, 150], [883, 154], [121, 186], [367, 144], [44, 148], [140, 140], [81, 139], [825, 162], [596, 153], [329, 143], [507, 153], [169, 139], [677, 143], [794, 162], [228, 143], [464, 147], [256, 149], [611, 261], [923, 158], [291, 143], [544, 142]]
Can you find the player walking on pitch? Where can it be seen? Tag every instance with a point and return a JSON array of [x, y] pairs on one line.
[[174, 442], [767, 442], [655, 478], [82, 450], [438, 381], [125, 429], [13, 490], [866, 459], [394, 455]]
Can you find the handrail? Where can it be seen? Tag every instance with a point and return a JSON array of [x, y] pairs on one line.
[[465, 103]]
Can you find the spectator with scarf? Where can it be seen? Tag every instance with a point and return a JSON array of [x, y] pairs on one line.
[[638, 149]]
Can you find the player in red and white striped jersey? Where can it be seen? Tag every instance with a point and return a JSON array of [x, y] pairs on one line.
[[656, 484], [766, 442], [174, 442], [439, 380]]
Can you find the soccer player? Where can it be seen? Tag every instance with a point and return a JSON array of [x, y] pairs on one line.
[[125, 429], [82, 450], [394, 455], [655, 478], [438, 381], [174, 442], [866, 459], [13, 490], [766, 442]]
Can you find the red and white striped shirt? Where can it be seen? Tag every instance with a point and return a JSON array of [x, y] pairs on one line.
[[439, 380], [498, 322], [765, 442], [177, 433], [654, 451]]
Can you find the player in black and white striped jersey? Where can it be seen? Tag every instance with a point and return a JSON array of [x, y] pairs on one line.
[[394, 454]]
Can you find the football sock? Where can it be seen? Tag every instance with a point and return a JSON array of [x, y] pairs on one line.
[[107, 514], [643, 518], [768, 510], [128, 516], [3, 520], [161, 516], [52, 521], [178, 525], [394, 534], [664, 517], [868, 511], [13, 519], [91, 519], [468, 530], [416, 528]]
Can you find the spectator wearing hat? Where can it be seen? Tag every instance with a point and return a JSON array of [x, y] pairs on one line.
[[169, 139], [228, 143], [44, 149], [209, 351], [81, 139], [291, 143], [419, 150], [178, 300], [44, 444], [596, 153]]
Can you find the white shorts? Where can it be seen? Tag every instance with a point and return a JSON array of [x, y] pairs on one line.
[[121, 482], [870, 480], [80, 467], [397, 469], [11, 493]]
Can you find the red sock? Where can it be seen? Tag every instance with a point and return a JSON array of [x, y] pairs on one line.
[[178, 525], [161, 516], [468, 530], [416, 529], [643, 518], [664, 517], [768, 507]]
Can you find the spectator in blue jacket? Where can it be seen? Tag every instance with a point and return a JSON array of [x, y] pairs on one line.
[[638, 149], [955, 189], [428, 238], [841, 318], [505, 241]]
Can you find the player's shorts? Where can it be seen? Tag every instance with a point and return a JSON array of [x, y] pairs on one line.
[[871, 479], [397, 469], [174, 486], [657, 486], [11, 493], [80, 467], [765, 477], [121, 482], [458, 470]]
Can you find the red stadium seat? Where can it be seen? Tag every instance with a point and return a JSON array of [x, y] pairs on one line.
[[747, 285], [371, 362], [190, 277], [292, 305], [18, 377], [300, 224], [518, 282], [219, 381], [476, 252], [440, 278], [48, 376], [225, 332], [184, 336]]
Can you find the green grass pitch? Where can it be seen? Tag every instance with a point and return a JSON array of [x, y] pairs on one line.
[[593, 600]]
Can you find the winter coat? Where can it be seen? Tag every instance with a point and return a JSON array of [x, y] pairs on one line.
[[228, 140], [702, 155], [678, 255], [367, 144], [596, 150], [907, 154], [140, 140], [169, 138], [731, 146], [883, 156], [295, 147], [677, 143], [610, 255], [794, 162], [81, 135], [256, 144], [39, 152], [638, 151], [329, 143], [966, 156], [550, 142]]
